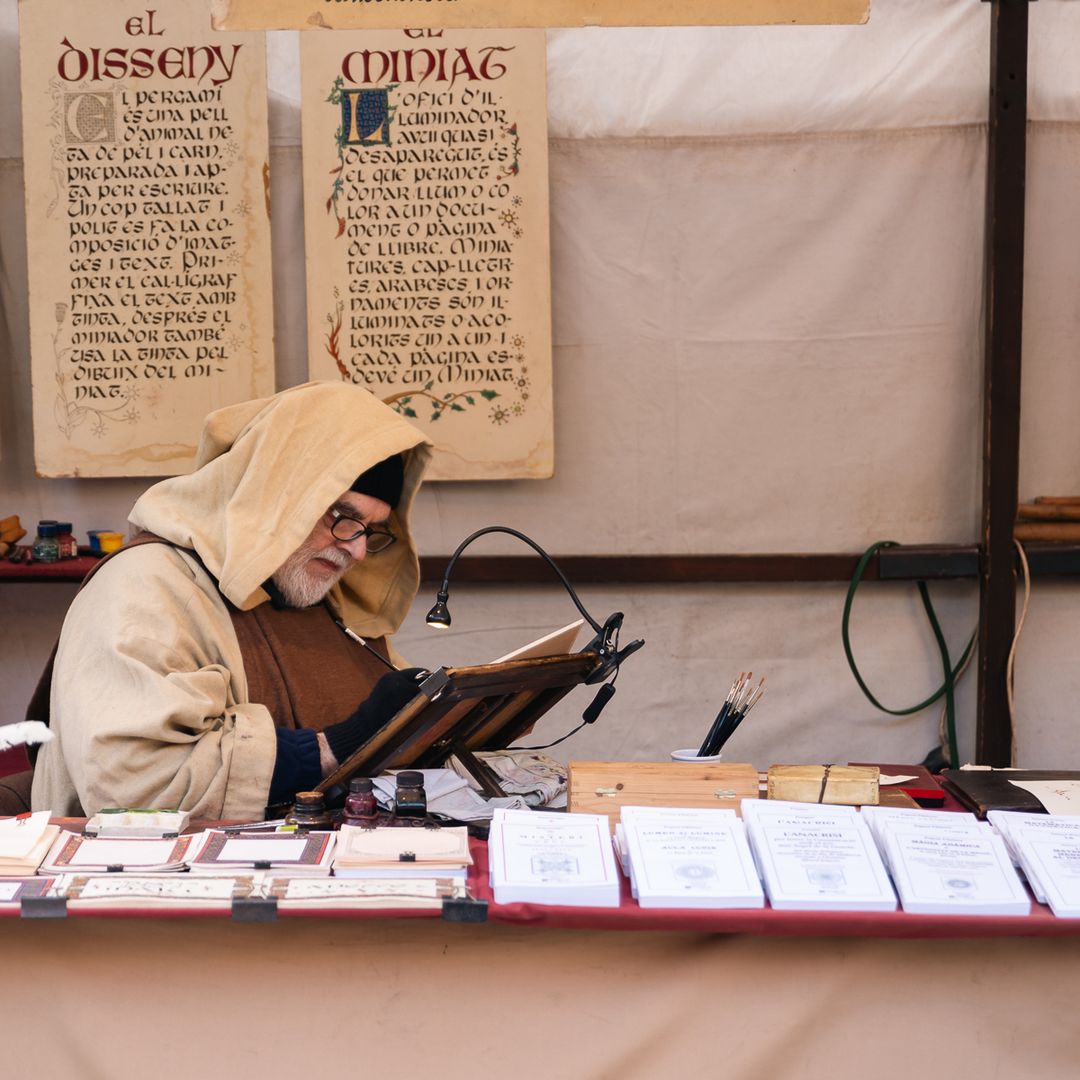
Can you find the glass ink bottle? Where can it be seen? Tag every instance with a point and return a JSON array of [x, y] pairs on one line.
[[410, 799], [310, 812], [360, 805]]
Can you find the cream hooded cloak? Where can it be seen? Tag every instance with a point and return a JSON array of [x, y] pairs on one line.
[[149, 696]]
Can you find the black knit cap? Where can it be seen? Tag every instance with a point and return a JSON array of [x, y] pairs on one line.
[[382, 481]]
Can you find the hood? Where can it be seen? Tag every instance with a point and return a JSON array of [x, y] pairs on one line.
[[265, 473]]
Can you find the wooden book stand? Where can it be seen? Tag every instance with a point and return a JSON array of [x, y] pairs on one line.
[[460, 710]]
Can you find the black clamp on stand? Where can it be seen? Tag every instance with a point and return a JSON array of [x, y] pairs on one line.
[[464, 910], [258, 909], [43, 907]]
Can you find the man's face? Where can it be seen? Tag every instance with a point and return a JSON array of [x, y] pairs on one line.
[[319, 563]]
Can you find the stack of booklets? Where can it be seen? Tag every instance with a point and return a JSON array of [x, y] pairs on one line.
[[946, 864], [217, 851], [24, 842], [402, 853], [816, 857], [1047, 849], [689, 858], [75, 853], [546, 858]]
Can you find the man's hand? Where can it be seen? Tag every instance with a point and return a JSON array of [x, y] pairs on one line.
[[390, 695]]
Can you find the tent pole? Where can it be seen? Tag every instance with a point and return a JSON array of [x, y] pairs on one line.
[[1006, 166]]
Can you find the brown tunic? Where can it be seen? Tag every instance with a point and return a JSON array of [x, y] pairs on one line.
[[302, 666]]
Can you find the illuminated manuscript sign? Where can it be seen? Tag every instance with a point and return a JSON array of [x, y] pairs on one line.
[[426, 225], [381, 14], [145, 149]]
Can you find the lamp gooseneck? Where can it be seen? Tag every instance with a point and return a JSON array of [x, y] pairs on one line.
[[439, 615]]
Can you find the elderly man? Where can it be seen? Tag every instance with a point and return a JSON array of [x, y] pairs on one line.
[[214, 664]]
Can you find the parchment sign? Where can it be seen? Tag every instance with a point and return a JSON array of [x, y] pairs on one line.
[[426, 224], [376, 14], [145, 148]]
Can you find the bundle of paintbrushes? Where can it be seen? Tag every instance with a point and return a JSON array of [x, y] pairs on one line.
[[742, 697]]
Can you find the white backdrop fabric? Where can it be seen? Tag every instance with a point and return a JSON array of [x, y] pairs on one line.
[[767, 253]]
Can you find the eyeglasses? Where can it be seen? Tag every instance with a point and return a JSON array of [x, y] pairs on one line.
[[347, 528]]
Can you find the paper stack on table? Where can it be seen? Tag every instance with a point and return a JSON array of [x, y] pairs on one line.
[[402, 853], [133, 823], [196, 891], [690, 858], [1047, 848], [24, 842], [816, 858], [219, 852], [73, 852], [300, 894], [13, 890], [947, 864], [550, 858]]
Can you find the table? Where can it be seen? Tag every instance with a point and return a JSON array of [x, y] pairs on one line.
[[543, 993]]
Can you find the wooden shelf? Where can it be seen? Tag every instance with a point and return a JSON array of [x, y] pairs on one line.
[[903, 563], [65, 571]]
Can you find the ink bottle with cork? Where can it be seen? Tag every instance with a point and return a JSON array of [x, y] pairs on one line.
[[46, 546], [360, 805], [410, 799], [310, 812]]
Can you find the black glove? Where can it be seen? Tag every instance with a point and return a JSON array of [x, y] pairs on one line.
[[391, 694]]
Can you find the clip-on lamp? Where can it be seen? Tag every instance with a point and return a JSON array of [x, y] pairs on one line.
[[605, 644]]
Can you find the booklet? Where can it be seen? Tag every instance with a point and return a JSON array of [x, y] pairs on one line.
[[73, 852], [392, 852], [216, 852], [1048, 850], [937, 872], [878, 818], [816, 858], [690, 858], [547, 858]]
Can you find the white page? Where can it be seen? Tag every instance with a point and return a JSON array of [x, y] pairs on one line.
[[554, 644], [18, 835], [938, 872], [248, 849], [1061, 797], [690, 858], [93, 852], [9, 890]]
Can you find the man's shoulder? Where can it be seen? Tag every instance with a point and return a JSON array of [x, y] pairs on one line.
[[151, 566]]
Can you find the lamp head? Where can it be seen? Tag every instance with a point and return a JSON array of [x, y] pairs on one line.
[[439, 615]]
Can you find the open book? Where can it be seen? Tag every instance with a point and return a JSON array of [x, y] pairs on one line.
[[554, 644]]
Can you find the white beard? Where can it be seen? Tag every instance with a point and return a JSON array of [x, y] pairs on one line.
[[299, 585]]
